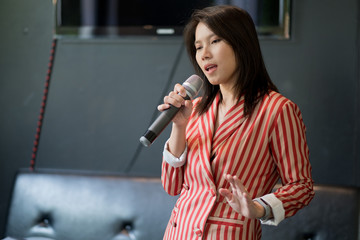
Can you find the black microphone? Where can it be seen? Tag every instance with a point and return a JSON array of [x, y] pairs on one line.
[[192, 86]]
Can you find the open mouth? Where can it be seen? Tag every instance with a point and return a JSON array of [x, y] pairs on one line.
[[210, 67]]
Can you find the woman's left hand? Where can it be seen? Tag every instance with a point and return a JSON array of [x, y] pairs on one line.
[[240, 200]]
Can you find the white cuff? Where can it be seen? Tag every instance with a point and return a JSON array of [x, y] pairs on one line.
[[171, 159], [276, 207]]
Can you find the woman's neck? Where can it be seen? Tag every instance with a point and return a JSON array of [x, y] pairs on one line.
[[229, 98], [226, 103]]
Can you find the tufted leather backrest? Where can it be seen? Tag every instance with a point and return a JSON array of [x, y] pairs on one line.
[[333, 214], [75, 207], [67, 206]]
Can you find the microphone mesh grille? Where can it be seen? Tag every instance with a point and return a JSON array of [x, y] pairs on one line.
[[193, 84]]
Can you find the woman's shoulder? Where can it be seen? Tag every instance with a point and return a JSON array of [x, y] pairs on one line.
[[277, 98], [278, 102]]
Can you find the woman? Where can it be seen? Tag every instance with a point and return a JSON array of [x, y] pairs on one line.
[[229, 148]]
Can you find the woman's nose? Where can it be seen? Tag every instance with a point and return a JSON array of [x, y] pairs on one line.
[[206, 54]]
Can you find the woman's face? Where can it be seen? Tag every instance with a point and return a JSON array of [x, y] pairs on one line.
[[215, 57]]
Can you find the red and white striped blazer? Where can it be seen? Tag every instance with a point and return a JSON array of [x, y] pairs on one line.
[[259, 150]]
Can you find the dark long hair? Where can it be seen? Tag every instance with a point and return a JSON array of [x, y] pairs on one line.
[[237, 28]]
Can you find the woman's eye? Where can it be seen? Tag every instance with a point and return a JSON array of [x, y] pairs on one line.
[[198, 48], [216, 40]]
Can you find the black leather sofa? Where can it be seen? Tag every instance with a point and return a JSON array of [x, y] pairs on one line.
[[73, 206], [333, 214]]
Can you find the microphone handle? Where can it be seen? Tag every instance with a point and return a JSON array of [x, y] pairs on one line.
[[160, 123], [163, 120]]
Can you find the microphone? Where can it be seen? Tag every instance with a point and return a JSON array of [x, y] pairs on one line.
[[192, 86]]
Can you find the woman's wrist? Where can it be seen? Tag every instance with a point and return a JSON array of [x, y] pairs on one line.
[[179, 126], [260, 210], [264, 212], [177, 140]]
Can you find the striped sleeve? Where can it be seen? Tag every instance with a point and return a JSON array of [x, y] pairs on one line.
[[172, 171], [171, 178], [291, 155]]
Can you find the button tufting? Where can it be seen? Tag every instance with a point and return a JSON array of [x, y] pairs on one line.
[[126, 228], [44, 221]]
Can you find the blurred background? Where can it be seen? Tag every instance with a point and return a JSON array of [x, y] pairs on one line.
[[106, 83]]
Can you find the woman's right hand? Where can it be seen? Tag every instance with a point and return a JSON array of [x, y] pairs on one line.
[[176, 98]]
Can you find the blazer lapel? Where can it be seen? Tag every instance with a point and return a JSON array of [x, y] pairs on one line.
[[233, 120], [206, 133], [209, 139]]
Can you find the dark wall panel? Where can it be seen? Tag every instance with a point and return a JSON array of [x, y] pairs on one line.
[[101, 99]]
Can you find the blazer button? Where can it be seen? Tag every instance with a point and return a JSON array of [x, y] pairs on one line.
[[186, 187], [198, 232], [212, 192], [174, 224]]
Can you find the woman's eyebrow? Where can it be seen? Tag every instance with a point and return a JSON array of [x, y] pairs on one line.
[[207, 37]]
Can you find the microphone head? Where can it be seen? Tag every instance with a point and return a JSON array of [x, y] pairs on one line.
[[193, 85]]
